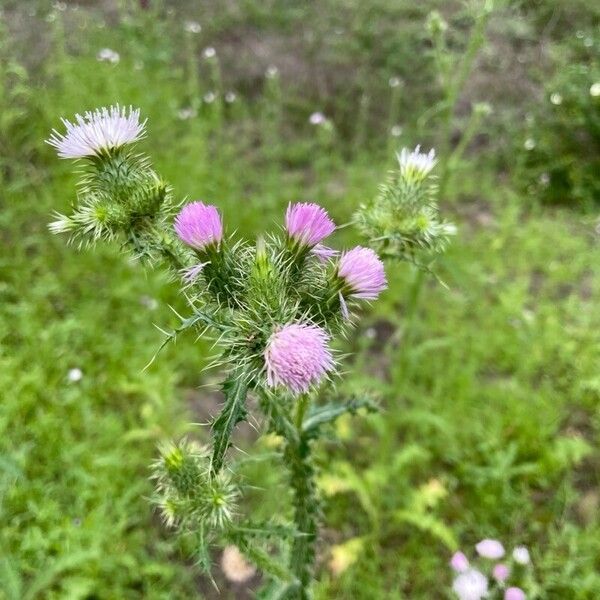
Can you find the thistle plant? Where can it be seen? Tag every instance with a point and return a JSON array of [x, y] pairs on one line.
[[275, 308], [403, 222]]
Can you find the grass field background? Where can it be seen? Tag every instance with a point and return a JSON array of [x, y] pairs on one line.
[[489, 383]]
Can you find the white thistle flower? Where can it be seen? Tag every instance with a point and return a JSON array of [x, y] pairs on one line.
[[471, 585], [209, 52], [416, 165], [98, 131]]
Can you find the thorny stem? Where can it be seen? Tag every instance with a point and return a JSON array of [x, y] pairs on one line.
[[306, 505]]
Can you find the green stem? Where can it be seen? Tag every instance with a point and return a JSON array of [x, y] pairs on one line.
[[306, 506]]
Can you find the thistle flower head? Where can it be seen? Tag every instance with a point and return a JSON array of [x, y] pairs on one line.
[[471, 585], [307, 223], [514, 593], [492, 549], [363, 273], [297, 356], [416, 165], [99, 131], [199, 225]]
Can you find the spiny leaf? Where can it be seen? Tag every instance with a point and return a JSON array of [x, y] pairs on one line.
[[235, 389], [322, 415]]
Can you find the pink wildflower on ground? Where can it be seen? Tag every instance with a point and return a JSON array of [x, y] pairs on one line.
[[363, 272], [307, 223], [514, 593], [101, 130], [199, 225], [459, 562], [492, 549], [501, 572], [471, 585], [297, 356]]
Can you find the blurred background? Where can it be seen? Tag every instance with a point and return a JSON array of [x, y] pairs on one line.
[[490, 384]]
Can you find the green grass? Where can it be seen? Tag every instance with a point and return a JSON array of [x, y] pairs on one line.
[[489, 385]]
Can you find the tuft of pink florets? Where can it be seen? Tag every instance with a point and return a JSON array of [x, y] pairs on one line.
[[98, 131], [490, 549], [307, 223], [363, 272], [459, 562], [297, 356], [199, 225], [501, 572], [514, 593]]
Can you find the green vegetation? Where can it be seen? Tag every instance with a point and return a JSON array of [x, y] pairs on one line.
[[489, 383]]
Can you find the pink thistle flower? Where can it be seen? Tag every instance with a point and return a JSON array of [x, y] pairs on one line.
[[492, 549], [297, 356], [101, 130], [363, 272], [459, 562], [501, 572], [307, 223], [514, 593], [199, 225]]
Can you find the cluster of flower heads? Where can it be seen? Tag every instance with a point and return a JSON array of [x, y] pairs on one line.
[[403, 221], [297, 353], [472, 583], [295, 302]]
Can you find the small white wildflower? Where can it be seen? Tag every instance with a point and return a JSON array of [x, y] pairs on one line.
[[108, 55], [60, 6], [521, 555], [396, 131], [149, 302], [75, 375], [272, 71], [209, 97], [394, 82], [209, 52], [317, 118], [529, 144], [192, 27], [235, 567], [595, 89], [588, 42], [544, 179], [98, 131], [556, 99], [186, 113], [371, 333], [230, 97], [416, 165], [471, 585]]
